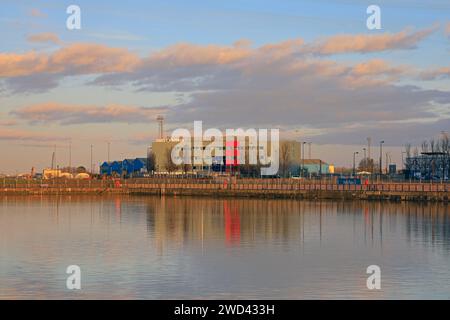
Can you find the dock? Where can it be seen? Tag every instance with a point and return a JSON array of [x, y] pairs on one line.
[[233, 187]]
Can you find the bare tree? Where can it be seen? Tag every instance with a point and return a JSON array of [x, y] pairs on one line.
[[424, 146], [434, 146], [368, 165], [151, 162], [285, 159], [408, 150], [445, 144]]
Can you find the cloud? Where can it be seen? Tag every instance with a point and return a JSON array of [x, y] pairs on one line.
[[141, 139], [75, 59], [276, 86], [16, 65], [394, 133], [308, 102], [186, 54], [375, 67], [65, 114], [36, 83], [434, 74], [284, 48], [117, 35], [39, 72], [7, 123], [86, 58], [285, 84], [44, 37], [37, 13], [375, 72], [185, 66], [22, 135], [447, 29], [365, 43]]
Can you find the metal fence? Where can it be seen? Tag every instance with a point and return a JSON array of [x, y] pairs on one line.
[[224, 183]]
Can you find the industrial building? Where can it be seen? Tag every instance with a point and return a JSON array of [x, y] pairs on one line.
[[428, 166], [127, 167], [290, 156], [316, 167]]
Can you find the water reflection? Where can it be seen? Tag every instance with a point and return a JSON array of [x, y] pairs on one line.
[[174, 220], [169, 247]]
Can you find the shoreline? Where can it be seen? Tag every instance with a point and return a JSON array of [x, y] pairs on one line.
[[237, 188]]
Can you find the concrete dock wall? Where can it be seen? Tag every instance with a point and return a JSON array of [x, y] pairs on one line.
[[232, 187]]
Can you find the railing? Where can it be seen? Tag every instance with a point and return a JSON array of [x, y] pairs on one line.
[[223, 183]]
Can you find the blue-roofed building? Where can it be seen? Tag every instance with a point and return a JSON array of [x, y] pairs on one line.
[[127, 167], [111, 168], [105, 168]]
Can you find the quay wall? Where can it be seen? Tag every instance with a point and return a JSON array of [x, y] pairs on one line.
[[233, 187]]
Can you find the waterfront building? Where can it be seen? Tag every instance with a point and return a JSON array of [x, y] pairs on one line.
[[127, 167], [290, 157], [428, 166], [317, 166]]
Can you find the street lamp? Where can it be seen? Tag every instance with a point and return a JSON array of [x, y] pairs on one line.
[[381, 157], [354, 164], [403, 163], [303, 157], [365, 160]]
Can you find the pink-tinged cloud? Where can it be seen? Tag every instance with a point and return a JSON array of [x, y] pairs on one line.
[[305, 68], [374, 67], [434, 74], [52, 112], [284, 48], [16, 65], [44, 37], [186, 54], [37, 13], [80, 58], [365, 43], [23, 135], [8, 123], [93, 58], [447, 29]]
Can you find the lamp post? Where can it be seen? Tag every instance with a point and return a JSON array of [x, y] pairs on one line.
[[70, 156], [303, 157], [354, 164], [92, 166], [365, 160], [403, 163], [381, 157]]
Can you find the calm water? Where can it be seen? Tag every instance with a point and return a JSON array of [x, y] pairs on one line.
[[151, 247]]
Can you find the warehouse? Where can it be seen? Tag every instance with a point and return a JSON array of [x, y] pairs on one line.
[[126, 168]]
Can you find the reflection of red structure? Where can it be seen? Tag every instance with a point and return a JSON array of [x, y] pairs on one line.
[[231, 154], [232, 224], [118, 207], [366, 215]]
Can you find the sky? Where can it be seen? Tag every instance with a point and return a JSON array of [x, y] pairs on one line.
[[309, 68]]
